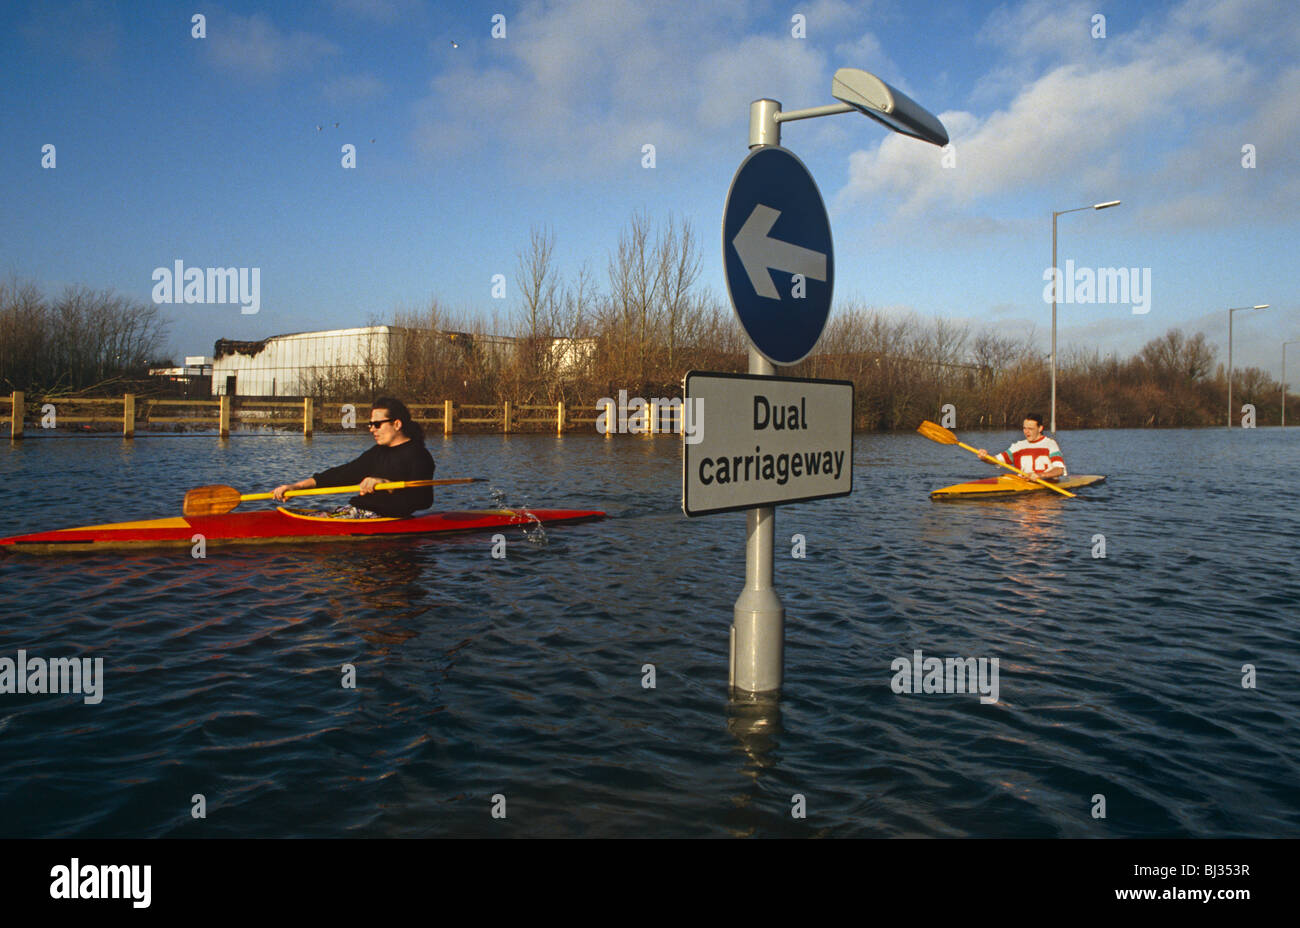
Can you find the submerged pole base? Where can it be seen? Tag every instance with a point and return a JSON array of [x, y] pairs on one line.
[[757, 643]]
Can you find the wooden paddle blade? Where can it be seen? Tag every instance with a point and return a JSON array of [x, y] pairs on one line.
[[936, 432], [210, 501]]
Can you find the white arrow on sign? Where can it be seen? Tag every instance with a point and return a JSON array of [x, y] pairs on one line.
[[758, 253]]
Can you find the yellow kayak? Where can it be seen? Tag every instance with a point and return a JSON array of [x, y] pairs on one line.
[[1010, 485]]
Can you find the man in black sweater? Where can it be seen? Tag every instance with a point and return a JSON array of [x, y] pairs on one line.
[[398, 454]]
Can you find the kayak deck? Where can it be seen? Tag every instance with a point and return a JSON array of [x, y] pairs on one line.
[[275, 526], [1010, 485]]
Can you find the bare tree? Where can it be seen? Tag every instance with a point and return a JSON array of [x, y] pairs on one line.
[[679, 269], [636, 284], [82, 338]]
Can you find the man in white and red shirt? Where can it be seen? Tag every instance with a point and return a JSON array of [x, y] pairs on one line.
[[1037, 456]]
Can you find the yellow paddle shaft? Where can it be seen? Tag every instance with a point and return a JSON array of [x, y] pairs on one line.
[[325, 491]]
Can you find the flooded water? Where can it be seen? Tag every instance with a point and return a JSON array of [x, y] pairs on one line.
[[518, 685]]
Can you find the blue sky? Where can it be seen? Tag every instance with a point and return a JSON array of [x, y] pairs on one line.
[[207, 151]]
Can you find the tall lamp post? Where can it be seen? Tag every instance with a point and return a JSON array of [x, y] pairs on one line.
[[1284, 344], [1056, 282], [758, 624], [1235, 309]]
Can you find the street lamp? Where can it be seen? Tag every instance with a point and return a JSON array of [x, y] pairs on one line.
[[859, 91], [887, 105], [758, 624], [1056, 282], [1284, 344], [1236, 309]]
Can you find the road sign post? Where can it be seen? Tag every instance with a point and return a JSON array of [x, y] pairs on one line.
[[780, 268]]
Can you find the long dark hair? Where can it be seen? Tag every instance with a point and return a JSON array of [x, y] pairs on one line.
[[397, 410]]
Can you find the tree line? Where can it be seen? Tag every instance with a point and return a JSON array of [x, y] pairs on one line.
[[78, 340], [652, 322], [647, 320]]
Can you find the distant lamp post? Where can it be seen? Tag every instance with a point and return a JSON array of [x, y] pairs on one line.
[[1056, 282], [1284, 344], [1235, 309]]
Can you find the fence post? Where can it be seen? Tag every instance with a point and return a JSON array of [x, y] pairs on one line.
[[307, 416], [223, 416], [506, 417], [128, 415], [559, 418], [16, 416], [446, 417]]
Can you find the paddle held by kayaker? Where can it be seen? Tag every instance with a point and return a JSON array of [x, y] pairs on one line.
[[1037, 456], [399, 454]]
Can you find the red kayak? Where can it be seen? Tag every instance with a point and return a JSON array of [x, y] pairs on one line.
[[275, 526]]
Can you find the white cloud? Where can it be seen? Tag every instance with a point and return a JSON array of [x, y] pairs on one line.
[[1204, 180], [1043, 29], [791, 71], [1274, 127], [867, 53], [1256, 23], [575, 83], [581, 85], [827, 18], [254, 48], [1157, 108], [1077, 127]]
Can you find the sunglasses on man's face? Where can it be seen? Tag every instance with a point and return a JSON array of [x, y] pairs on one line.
[[376, 423]]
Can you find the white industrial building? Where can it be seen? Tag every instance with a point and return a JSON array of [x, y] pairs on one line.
[[292, 365], [302, 363]]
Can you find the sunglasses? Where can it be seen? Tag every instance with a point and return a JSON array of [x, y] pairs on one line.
[[376, 423]]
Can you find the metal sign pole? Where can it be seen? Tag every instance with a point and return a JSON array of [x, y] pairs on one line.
[[775, 221], [758, 621]]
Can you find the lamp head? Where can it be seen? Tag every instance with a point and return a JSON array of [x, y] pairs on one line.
[[887, 105]]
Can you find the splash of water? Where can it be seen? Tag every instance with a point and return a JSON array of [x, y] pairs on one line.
[[533, 531]]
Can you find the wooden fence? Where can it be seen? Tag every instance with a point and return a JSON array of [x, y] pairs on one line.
[[225, 413]]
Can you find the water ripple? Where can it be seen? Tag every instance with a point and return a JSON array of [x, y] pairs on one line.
[[407, 687]]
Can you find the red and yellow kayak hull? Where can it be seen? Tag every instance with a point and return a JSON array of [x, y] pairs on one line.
[[274, 526], [1010, 485]]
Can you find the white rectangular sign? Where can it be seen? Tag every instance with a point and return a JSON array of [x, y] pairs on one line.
[[766, 440]]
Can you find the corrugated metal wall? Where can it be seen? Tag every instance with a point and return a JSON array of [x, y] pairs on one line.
[[296, 365]]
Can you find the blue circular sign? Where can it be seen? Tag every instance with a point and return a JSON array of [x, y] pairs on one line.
[[777, 254]]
